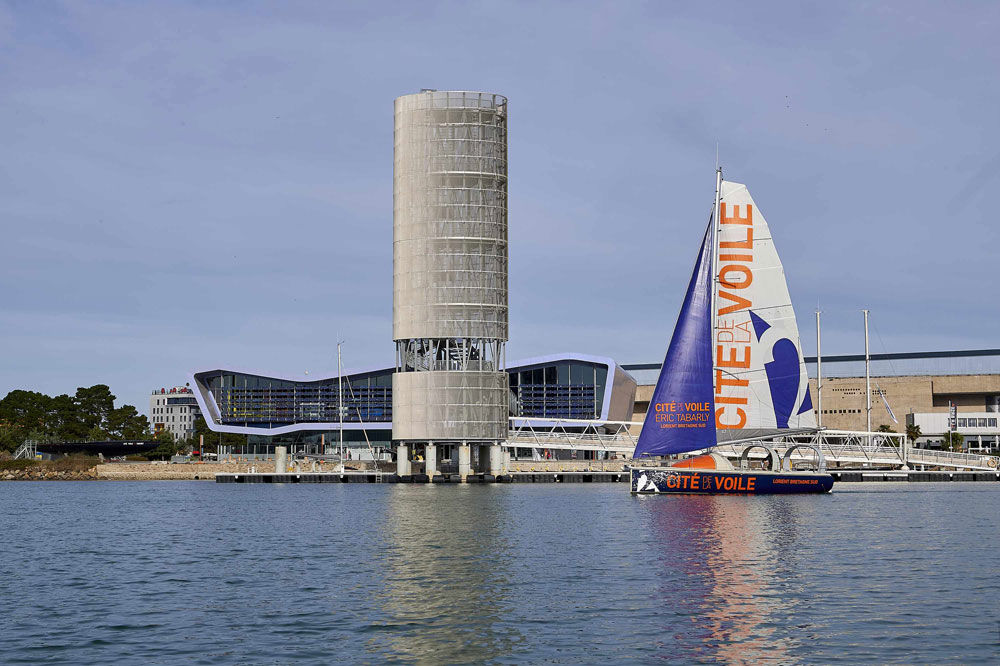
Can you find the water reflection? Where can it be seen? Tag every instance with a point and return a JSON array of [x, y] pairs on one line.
[[717, 564], [445, 589]]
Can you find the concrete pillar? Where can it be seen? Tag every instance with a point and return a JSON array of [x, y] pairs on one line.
[[430, 460], [402, 460], [496, 460], [281, 459], [464, 460]]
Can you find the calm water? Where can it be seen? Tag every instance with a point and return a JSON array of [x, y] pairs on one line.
[[170, 572]]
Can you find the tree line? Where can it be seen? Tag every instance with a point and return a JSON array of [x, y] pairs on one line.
[[88, 415]]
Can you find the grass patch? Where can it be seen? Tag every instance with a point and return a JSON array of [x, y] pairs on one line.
[[71, 464]]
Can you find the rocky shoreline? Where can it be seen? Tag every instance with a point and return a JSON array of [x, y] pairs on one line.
[[151, 471], [41, 474]]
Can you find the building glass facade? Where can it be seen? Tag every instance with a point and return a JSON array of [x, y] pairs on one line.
[[548, 388]]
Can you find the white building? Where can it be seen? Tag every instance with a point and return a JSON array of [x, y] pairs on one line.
[[174, 410], [980, 430]]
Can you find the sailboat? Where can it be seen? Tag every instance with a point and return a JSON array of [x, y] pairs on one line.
[[734, 371]]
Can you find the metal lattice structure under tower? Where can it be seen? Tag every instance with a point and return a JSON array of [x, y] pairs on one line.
[[450, 268]]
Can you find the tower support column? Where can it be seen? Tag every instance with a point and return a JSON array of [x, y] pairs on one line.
[[496, 460], [464, 460], [430, 460], [402, 460]]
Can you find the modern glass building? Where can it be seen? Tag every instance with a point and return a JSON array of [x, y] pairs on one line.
[[573, 391]]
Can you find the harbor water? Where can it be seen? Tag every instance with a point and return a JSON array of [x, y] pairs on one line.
[[202, 573]]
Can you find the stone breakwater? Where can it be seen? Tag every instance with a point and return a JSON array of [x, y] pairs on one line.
[[133, 472], [42, 474]]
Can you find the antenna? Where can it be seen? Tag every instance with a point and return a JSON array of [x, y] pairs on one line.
[[716, 154]]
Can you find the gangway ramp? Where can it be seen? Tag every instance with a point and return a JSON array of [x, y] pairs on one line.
[[840, 448], [844, 448]]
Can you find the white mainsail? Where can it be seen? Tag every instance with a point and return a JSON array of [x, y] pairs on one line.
[[760, 381]]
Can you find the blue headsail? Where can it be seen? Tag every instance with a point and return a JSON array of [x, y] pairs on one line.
[[681, 414]]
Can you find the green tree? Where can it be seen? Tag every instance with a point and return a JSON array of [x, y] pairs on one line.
[[93, 406], [65, 423], [127, 423], [912, 433], [11, 436], [24, 412], [885, 428], [953, 441], [87, 415], [167, 446]]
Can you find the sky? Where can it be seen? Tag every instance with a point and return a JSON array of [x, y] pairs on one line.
[[188, 186]]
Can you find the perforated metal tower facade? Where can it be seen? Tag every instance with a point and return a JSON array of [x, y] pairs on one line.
[[450, 267]]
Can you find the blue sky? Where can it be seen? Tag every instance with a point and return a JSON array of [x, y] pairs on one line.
[[192, 185]]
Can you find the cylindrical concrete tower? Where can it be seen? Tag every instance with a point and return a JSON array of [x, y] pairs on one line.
[[450, 268]]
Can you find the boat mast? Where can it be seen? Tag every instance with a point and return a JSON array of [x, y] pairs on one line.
[[819, 376], [868, 379], [715, 259], [340, 406]]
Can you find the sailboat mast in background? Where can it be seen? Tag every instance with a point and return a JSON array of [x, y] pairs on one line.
[[868, 380], [340, 405], [819, 376]]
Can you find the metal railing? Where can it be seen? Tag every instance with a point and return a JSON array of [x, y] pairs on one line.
[[953, 459], [28, 451], [837, 446], [579, 434], [868, 448]]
